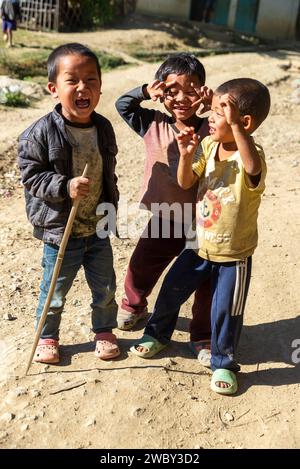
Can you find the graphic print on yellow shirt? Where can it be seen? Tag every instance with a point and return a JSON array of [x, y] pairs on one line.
[[227, 208]]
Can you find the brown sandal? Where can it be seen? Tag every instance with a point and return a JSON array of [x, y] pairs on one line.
[[106, 346], [47, 351]]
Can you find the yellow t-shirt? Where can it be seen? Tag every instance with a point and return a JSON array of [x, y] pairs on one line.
[[227, 208]]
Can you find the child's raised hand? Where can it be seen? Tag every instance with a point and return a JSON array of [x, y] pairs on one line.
[[79, 187], [205, 95], [230, 107], [187, 142], [156, 89]]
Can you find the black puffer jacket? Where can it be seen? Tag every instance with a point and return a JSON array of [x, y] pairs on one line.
[[45, 161]]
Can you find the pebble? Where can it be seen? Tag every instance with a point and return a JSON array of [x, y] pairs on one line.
[[137, 411], [169, 362], [85, 330], [7, 417], [228, 416], [8, 317], [24, 427], [76, 302], [35, 393], [90, 423], [296, 83], [19, 392]]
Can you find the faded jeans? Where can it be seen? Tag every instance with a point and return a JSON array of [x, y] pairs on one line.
[[95, 255]]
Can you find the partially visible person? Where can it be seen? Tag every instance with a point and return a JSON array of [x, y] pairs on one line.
[[208, 10], [10, 13]]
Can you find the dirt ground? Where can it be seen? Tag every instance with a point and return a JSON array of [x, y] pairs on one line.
[[165, 402]]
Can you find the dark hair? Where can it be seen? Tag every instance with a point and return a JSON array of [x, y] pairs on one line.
[[73, 48], [252, 96], [180, 64]]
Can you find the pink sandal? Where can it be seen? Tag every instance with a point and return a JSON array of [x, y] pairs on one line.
[[47, 351], [106, 346]]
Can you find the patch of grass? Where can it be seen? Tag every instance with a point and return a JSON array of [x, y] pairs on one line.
[[109, 62], [147, 56], [32, 65]]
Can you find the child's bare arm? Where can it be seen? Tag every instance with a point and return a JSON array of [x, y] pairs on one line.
[[249, 154], [187, 143]]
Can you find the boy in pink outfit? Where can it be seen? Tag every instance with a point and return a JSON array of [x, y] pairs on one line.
[[179, 84]]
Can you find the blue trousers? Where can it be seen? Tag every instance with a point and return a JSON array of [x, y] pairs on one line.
[[95, 255], [230, 284]]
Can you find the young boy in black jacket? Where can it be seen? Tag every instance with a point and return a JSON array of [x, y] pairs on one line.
[[52, 155]]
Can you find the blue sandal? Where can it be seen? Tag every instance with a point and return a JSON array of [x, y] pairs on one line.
[[226, 376], [151, 345]]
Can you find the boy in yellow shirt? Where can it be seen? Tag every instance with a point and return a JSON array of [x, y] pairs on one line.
[[231, 178]]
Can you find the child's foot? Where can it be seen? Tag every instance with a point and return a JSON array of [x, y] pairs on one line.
[[47, 351], [201, 349], [127, 320], [224, 381], [106, 346], [147, 347]]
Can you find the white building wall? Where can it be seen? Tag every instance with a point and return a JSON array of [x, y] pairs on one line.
[[276, 19], [171, 8]]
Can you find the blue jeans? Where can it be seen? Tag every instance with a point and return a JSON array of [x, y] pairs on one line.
[[230, 284], [95, 255]]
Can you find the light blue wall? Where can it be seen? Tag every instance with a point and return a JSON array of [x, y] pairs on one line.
[[276, 19]]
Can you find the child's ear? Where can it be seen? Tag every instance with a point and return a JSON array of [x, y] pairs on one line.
[[248, 122], [52, 88]]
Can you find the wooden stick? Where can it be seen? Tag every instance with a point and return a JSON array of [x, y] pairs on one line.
[[55, 274]]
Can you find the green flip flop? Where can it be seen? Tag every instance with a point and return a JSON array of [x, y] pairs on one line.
[[227, 376], [150, 343]]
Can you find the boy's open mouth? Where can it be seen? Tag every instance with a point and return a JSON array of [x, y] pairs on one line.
[[182, 108], [82, 103]]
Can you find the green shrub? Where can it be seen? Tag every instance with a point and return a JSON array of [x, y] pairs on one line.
[[13, 97], [109, 62], [95, 12], [33, 65]]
